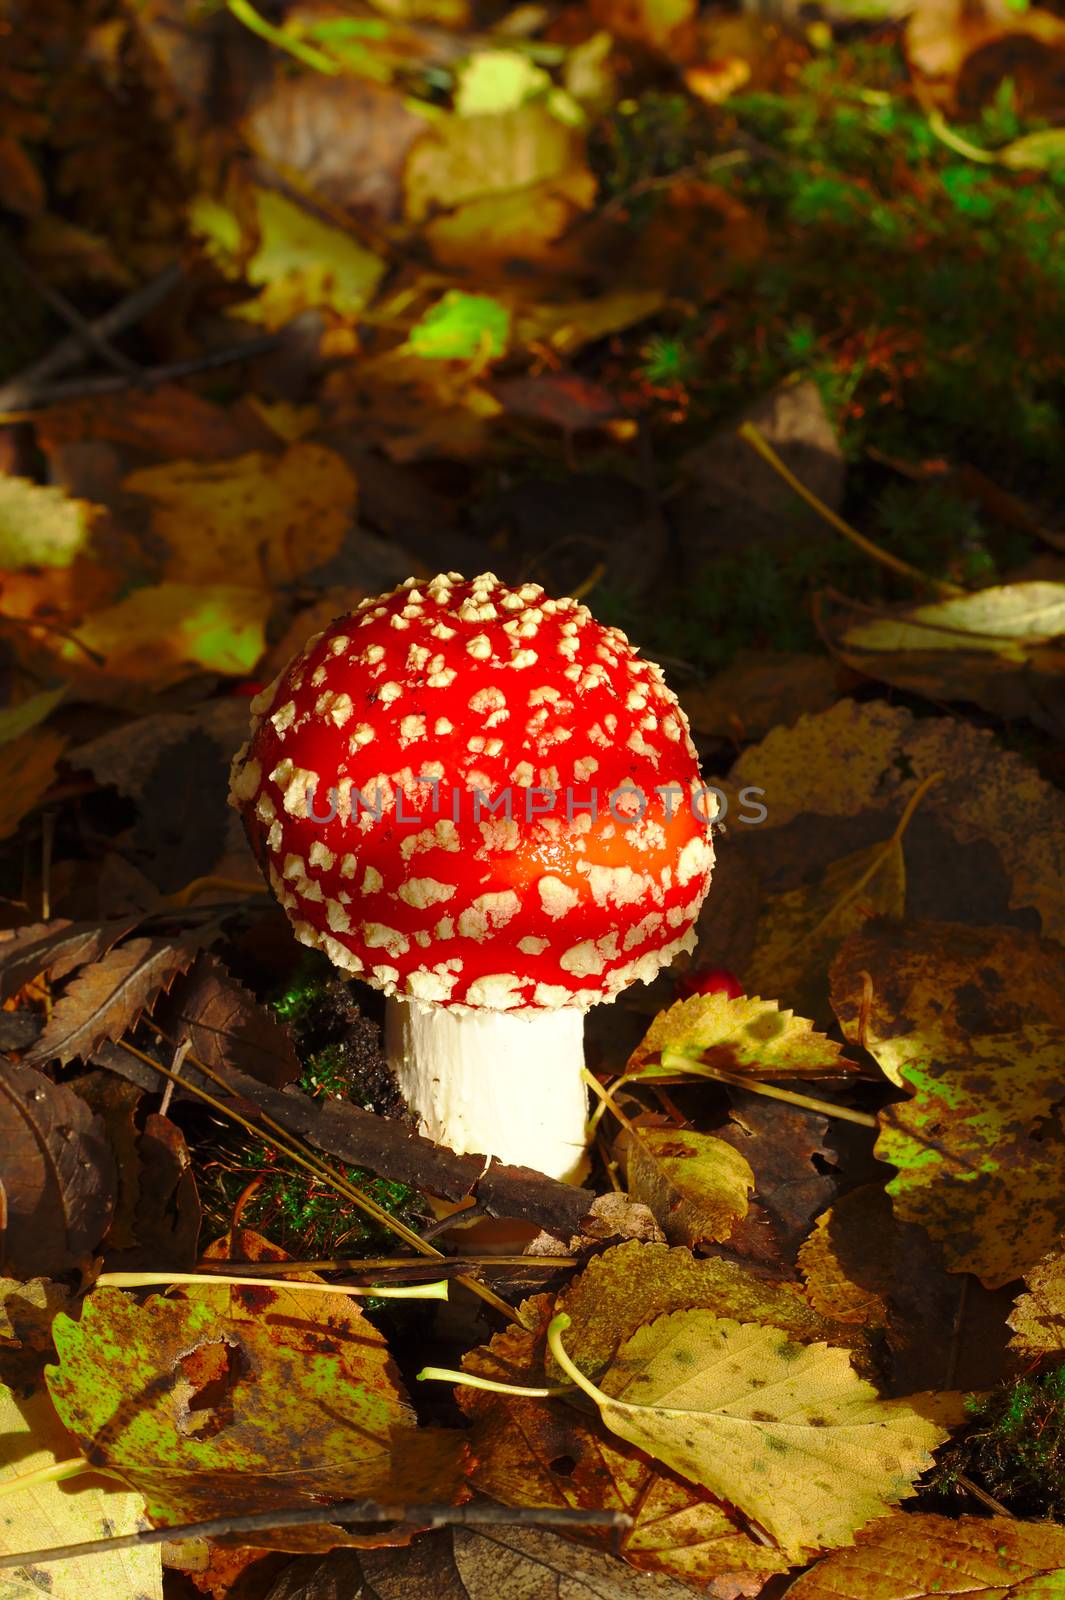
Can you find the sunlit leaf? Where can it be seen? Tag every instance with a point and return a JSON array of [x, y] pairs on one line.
[[696, 1186], [739, 1034], [461, 327], [40, 526]]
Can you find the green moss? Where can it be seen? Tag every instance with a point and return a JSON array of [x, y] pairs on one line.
[[1014, 1445]]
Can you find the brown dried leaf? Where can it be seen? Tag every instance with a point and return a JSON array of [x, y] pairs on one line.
[[57, 1171], [108, 998], [227, 1027], [29, 768], [54, 949], [925, 1557], [847, 1259]]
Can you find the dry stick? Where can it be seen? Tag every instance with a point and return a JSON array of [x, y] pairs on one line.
[[150, 1280], [752, 436], [148, 377], [177, 1060], [22, 389], [319, 1169], [346, 1511], [90, 337], [982, 1495], [374, 1264]]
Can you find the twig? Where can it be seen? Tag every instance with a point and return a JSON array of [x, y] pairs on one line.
[[347, 1511], [70, 314], [319, 1169], [982, 1495], [22, 388], [147, 378], [371, 1265], [757, 440], [181, 1050]]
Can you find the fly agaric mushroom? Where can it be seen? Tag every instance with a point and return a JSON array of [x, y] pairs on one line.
[[485, 803]]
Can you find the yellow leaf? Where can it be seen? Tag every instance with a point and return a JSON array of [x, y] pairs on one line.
[[463, 159], [742, 1034], [847, 1260], [649, 22], [925, 1557], [257, 520], [1038, 1317], [303, 262], [60, 1513], [789, 1434], [498, 80], [40, 526], [29, 768], [157, 636], [696, 1186]]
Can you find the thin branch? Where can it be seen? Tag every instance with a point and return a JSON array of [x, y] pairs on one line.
[[21, 390], [347, 1511], [148, 377], [86, 331]]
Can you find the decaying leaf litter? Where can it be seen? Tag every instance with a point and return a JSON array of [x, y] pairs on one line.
[[750, 333]]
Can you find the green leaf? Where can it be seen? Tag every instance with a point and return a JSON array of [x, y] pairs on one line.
[[20, 719], [461, 327]]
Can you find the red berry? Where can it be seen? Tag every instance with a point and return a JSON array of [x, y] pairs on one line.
[[711, 980]]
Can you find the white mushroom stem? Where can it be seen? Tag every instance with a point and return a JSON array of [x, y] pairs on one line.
[[496, 1083]]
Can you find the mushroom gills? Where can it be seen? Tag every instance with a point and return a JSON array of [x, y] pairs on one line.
[[504, 1084]]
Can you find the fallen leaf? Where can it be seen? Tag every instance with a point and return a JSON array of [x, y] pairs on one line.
[[461, 327], [41, 526], [58, 1175], [226, 1026], [744, 1035], [633, 1283], [108, 997], [272, 1398], [1038, 1316], [790, 1434], [761, 690], [461, 159], [922, 1557], [526, 1563], [696, 1185], [847, 1259], [17, 720], [28, 1309], [29, 770], [300, 261], [970, 1021], [960, 53], [546, 1453], [856, 759], [995, 648], [159, 635], [54, 949], [799, 932], [257, 520], [50, 1514], [795, 1170]]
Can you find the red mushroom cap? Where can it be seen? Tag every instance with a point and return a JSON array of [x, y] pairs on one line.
[[422, 712]]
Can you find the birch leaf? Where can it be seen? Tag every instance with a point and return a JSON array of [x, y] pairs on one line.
[[696, 1185], [788, 1433], [933, 1558], [744, 1034]]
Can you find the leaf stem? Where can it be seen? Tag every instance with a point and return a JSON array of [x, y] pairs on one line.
[[757, 440], [555, 1329], [468, 1380], [306, 53], [54, 1472]]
